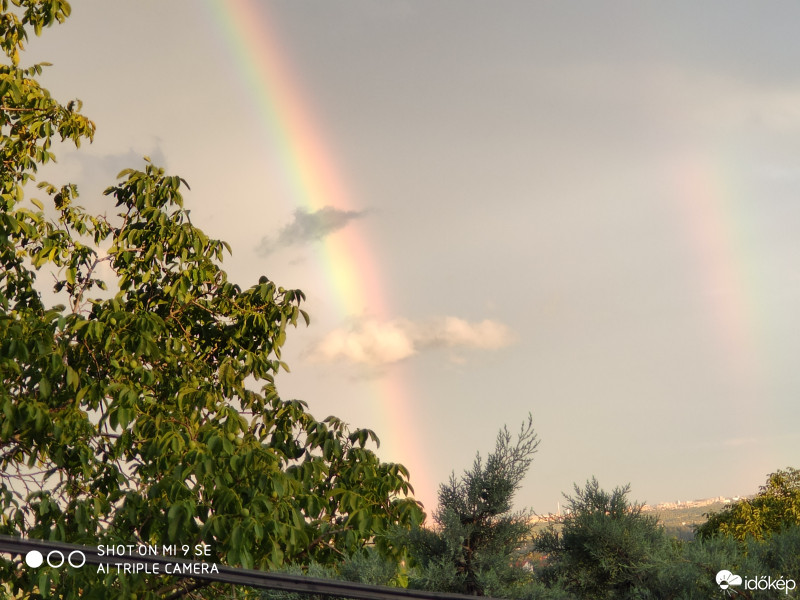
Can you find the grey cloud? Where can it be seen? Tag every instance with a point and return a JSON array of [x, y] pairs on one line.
[[93, 173], [104, 169], [309, 227]]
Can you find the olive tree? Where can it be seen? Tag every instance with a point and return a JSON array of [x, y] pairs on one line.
[[478, 540]]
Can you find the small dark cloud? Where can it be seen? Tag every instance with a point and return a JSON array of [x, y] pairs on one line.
[[308, 227], [102, 170]]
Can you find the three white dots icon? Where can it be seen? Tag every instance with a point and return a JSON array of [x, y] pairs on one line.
[[55, 559]]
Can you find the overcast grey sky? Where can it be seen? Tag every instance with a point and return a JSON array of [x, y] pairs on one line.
[[588, 211]]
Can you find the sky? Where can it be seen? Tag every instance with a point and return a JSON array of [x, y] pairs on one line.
[[583, 211]]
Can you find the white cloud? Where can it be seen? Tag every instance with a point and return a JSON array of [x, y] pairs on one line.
[[370, 342], [455, 332], [374, 342]]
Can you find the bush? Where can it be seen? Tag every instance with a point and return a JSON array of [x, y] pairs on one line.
[[606, 548]]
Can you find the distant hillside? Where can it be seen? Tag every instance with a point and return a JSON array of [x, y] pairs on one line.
[[680, 521], [678, 518]]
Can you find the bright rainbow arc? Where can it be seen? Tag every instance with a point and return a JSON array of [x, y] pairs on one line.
[[287, 123], [315, 182]]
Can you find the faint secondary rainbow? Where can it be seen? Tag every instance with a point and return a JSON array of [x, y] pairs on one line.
[[315, 182], [708, 197]]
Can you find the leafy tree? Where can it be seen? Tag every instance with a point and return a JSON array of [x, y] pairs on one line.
[[775, 507], [151, 416], [477, 537], [606, 547]]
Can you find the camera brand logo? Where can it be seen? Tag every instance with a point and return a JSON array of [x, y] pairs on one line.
[[55, 559], [726, 579]]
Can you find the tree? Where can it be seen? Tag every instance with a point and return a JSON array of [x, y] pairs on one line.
[[775, 507], [368, 566], [151, 416], [473, 546], [606, 547]]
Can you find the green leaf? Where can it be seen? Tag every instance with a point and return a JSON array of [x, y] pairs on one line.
[[44, 583], [174, 519], [73, 379]]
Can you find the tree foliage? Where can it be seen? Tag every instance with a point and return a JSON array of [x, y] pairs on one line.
[[368, 566], [473, 547], [775, 507], [151, 416], [606, 547]]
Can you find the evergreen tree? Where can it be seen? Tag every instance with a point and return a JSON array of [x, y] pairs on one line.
[[477, 538], [606, 547]]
